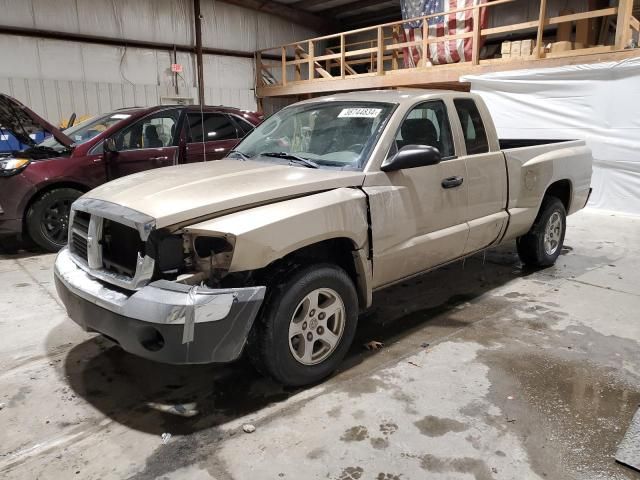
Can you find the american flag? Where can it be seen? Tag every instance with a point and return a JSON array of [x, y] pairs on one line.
[[451, 51]]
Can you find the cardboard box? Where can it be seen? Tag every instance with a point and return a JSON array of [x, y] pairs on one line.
[[526, 47], [516, 48], [563, 46], [556, 47]]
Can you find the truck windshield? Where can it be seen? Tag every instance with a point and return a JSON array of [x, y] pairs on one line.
[[86, 130], [327, 134]]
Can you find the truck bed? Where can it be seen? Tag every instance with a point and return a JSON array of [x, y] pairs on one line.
[[509, 143], [534, 164]]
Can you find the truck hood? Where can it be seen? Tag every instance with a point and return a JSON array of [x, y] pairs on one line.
[[175, 195], [23, 122]]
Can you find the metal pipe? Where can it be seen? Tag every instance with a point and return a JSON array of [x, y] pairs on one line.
[[198, 21], [175, 75], [122, 42]]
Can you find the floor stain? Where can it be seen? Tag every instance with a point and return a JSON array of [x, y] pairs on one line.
[[316, 453], [357, 433], [335, 412], [388, 428], [379, 443], [473, 466], [570, 413], [436, 427], [388, 476], [19, 397], [351, 473]]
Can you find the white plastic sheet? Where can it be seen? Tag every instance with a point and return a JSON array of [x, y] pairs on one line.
[[599, 103]]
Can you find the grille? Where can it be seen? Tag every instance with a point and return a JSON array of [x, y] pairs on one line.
[[120, 248], [80, 230]]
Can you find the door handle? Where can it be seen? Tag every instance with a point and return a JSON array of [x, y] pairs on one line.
[[452, 182], [158, 159]]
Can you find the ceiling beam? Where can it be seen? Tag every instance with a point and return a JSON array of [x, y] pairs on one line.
[[350, 7], [367, 19], [307, 4], [294, 15]]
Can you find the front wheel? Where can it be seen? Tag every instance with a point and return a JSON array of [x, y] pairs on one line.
[[542, 245], [47, 219], [307, 326]]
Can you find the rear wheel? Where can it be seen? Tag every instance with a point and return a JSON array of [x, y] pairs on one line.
[[542, 245], [307, 326], [47, 219]]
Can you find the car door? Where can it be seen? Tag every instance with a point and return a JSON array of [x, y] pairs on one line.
[[420, 222], [209, 136], [147, 143], [486, 176]]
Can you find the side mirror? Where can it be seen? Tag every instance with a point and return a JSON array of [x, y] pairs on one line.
[[412, 156], [109, 145]]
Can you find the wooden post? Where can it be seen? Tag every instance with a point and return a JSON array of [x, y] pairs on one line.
[[259, 67], [394, 54], [425, 42], [625, 7], [373, 57], [312, 55], [298, 70], [477, 32], [542, 19], [380, 61], [342, 57], [284, 66]]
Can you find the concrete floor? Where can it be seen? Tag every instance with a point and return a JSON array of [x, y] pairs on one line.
[[488, 371]]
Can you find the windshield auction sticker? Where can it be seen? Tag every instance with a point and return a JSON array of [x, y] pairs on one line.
[[359, 112]]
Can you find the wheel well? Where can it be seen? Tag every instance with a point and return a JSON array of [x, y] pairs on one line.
[[338, 251], [562, 191], [48, 188]]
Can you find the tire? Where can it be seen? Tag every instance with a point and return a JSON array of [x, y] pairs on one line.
[[47, 219], [277, 345], [543, 244]]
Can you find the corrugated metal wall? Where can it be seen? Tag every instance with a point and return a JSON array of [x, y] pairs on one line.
[[57, 78]]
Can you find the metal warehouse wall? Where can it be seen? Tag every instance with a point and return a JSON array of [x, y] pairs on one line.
[[57, 78]]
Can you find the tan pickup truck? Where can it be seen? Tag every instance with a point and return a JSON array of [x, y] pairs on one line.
[[277, 249]]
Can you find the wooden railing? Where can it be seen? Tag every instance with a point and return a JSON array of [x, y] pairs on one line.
[[378, 50]]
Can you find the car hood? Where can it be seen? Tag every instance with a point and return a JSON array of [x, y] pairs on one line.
[[22, 122], [176, 195]]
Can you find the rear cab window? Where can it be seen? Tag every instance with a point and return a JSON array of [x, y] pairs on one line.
[[474, 133]]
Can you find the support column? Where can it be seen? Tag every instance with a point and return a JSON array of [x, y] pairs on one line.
[[198, 27]]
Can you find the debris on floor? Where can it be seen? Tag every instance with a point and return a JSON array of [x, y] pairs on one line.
[[181, 409], [165, 438], [248, 428], [629, 449], [373, 345]]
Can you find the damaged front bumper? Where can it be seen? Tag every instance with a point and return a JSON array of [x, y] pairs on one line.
[[165, 321]]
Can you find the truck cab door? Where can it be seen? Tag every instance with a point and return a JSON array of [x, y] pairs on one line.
[[486, 175], [146, 144], [420, 222], [209, 136]]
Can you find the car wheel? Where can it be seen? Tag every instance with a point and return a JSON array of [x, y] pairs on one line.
[[543, 244], [47, 219], [306, 327]]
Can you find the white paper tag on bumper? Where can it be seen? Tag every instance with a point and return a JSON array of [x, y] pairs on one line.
[[359, 112]]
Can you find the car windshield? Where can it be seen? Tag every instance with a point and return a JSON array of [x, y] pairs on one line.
[[85, 131], [319, 135]]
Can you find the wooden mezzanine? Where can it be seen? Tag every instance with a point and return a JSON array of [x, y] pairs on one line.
[[333, 63]]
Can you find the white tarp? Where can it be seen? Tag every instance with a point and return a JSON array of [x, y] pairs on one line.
[[599, 103]]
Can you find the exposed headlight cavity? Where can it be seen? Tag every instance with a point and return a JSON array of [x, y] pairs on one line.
[[213, 256]]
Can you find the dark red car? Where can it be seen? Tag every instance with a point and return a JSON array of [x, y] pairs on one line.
[[39, 183]]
